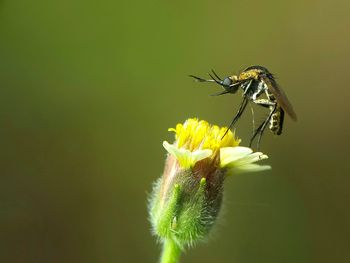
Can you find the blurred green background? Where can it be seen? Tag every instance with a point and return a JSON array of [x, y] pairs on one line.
[[88, 90]]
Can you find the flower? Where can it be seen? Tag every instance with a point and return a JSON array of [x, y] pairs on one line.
[[187, 199], [197, 140]]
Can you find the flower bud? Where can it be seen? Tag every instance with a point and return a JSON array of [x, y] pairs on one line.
[[186, 200]]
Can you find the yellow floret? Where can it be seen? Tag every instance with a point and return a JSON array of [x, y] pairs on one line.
[[195, 135]]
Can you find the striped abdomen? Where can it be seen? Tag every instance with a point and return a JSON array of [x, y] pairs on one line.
[[276, 121]]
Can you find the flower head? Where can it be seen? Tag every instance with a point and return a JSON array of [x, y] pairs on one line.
[[196, 140], [187, 198]]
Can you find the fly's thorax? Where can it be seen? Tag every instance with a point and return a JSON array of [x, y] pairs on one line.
[[249, 74], [253, 88]]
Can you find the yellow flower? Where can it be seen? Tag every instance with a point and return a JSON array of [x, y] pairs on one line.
[[197, 140], [187, 199]]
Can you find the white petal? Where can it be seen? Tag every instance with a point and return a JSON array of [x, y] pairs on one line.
[[231, 154], [173, 150], [200, 155], [252, 167], [251, 158], [185, 157]]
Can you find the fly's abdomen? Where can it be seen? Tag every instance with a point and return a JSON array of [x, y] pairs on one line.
[[276, 121]]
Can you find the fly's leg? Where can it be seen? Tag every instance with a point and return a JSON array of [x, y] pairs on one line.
[[264, 127], [239, 114], [246, 88], [253, 117], [260, 130]]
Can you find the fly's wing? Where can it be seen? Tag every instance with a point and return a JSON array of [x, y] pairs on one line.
[[280, 96]]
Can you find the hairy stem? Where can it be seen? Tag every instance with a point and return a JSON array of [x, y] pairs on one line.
[[171, 252]]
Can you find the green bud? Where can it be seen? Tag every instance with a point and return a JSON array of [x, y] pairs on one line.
[[186, 202]]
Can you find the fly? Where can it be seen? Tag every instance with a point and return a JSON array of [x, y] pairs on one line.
[[259, 86]]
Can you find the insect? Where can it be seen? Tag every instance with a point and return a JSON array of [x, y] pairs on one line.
[[259, 86]]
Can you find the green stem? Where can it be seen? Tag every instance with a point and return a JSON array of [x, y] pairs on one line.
[[171, 252]]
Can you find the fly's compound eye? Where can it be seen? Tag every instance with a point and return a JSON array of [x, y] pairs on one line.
[[227, 82]]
